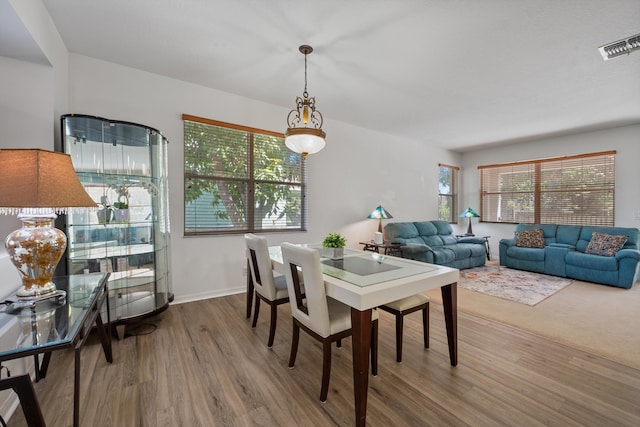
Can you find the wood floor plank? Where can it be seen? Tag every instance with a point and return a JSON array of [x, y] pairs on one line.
[[204, 365]]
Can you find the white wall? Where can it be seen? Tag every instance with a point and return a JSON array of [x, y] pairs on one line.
[[358, 170], [26, 121], [625, 140]]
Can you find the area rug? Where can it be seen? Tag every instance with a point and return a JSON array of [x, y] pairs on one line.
[[514, 285]]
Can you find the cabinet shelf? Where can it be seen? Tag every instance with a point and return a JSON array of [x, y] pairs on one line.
[[126, 163]]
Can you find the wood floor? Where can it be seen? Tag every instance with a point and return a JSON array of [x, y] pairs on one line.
[[205, 366]]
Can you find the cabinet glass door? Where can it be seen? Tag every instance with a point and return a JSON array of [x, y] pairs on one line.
[[123, 166]]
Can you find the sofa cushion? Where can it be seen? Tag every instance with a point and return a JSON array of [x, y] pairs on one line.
[[432, 240], [449, 240], [443, 227], [588, 230], [548, 230], [531, 254], [605, 244], [402, 230], [590, 262], [568, 234], [426, 228], [530, 238]]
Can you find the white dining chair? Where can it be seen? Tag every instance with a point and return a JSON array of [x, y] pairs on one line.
[[267, 287], [322, 317]]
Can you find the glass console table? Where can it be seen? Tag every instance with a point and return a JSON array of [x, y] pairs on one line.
[[54, 324]]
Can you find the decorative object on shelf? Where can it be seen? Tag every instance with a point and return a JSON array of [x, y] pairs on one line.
[[105, 213], [469, 213], [38, 184], [298, 137], [121, 207], [379, 213], [333, 246]]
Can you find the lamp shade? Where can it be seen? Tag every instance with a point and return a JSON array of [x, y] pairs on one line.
[[37, 184], [469, 213], [379, 213], [305, 140], [35, 178]]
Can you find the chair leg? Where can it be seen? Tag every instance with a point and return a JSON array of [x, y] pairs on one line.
[[272, 327], [256, 311], [374, 348], [425, 324], [326, 370], [399, 327], [294, 344]]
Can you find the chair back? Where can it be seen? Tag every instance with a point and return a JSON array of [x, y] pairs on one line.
[[260, 265], [313, 310]]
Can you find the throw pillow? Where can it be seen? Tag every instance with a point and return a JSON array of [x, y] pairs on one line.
[[530, 238], [605, 244]]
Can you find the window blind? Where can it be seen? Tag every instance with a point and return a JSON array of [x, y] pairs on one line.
[[576, 189]]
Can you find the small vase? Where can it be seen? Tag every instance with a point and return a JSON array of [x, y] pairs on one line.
[[333, 253], [122, 215], [105, 215]]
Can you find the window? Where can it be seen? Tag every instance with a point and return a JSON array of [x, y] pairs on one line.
[[447, 192], [567, 190], [239, 179]]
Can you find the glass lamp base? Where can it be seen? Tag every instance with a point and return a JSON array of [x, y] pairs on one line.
[[36, 291]]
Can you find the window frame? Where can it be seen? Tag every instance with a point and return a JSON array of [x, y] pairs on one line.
[[492, 176], [453, 195], [250, 181]]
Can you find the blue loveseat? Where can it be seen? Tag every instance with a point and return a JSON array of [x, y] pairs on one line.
[[564, 254], [435, 243]]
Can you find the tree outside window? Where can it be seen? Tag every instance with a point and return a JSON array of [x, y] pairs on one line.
[[447, 192], [239, 179]]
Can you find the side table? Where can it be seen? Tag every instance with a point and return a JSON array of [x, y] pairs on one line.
[[48, 326], [388, 247]]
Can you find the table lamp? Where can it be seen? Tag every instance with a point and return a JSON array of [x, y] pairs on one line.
[[469, 213], [38, 184], [379, 213]]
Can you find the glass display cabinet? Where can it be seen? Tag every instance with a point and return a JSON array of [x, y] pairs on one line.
[[123, 166]]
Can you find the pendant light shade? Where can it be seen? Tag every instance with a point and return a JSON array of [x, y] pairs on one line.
[[304, 134]]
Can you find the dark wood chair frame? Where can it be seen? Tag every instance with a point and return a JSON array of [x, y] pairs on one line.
[[326, 341], [272, 303], [400, 323]]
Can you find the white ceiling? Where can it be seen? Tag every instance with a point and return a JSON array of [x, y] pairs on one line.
[[456, 73]]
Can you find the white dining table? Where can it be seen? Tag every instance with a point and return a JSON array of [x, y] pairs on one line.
[[365, 280]]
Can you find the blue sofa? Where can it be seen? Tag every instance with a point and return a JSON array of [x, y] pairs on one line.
[[435, 243], [564, 254]]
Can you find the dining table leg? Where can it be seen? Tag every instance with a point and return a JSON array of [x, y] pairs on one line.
[[361, 343], [249, 290], [450, 306]]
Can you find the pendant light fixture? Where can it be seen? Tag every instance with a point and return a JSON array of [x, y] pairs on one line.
[[305, 134]]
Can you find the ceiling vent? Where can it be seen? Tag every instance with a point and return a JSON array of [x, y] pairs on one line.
[[620, 47]]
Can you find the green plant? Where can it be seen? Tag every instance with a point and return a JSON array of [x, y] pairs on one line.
[[120, 205], [334, 240]]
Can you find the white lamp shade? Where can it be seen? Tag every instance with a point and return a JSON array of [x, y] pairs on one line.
[[302, 142]]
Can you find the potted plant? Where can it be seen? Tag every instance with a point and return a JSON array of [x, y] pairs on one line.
[[333, 245], [121, 207]]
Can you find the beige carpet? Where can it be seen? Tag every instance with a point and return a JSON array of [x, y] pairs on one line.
[[600, 319]]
